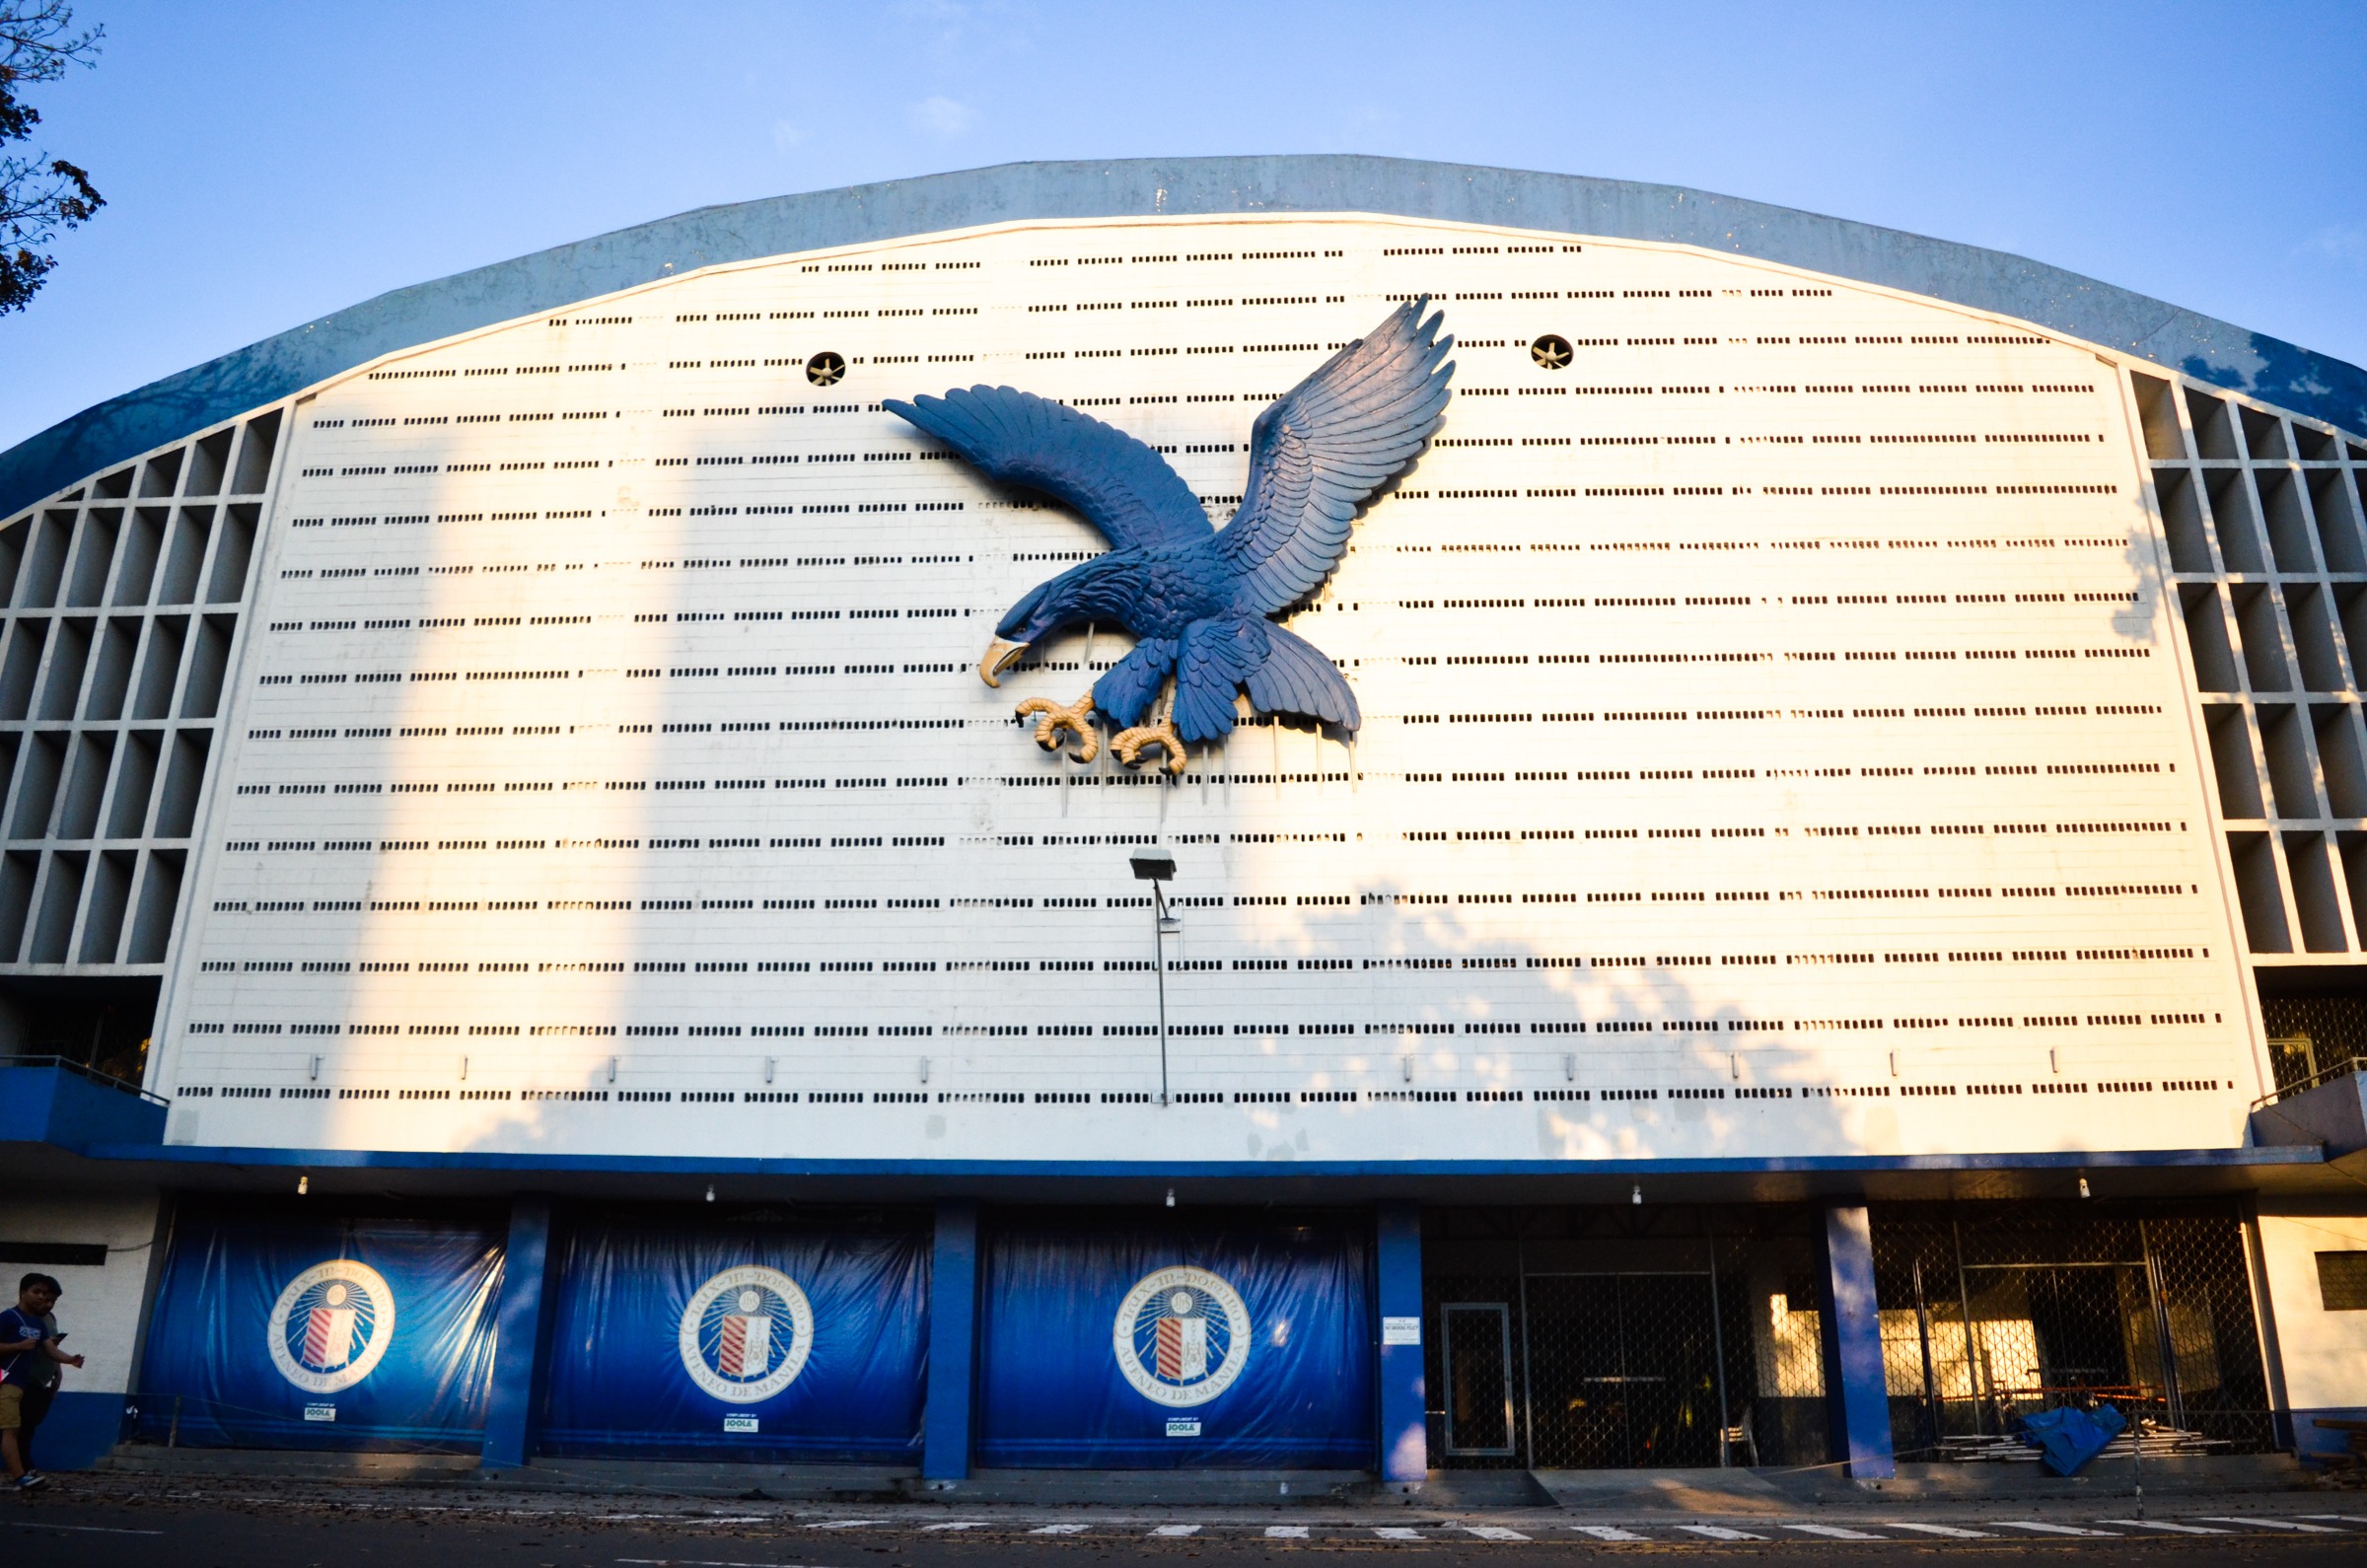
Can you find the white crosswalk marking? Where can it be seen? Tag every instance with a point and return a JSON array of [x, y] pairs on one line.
[[1721, 1533], [2157, 1524], [1060, 1529], [2051, 1530], [2275, 1523], [1177, 1530], [1949, 1531], [1493, 1532], [1285, 1533], [2347, 1518], [845, 1524], [1398, 1533], [958, 1524], [1608, 1533], [1832, 1531]]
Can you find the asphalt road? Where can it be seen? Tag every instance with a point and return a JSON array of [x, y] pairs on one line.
[[157, 1528]]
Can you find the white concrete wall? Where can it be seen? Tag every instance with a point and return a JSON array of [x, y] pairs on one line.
[[1902, 664], [99, 1310], [2324, 1353]]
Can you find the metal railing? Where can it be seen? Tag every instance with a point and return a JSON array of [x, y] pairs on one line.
[[83, 1070], [2316, 1080]]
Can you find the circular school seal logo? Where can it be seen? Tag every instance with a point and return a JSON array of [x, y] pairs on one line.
[[1182, 1336], [745, 1334], [331, 1324]]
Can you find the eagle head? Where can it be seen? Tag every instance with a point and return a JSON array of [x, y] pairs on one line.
[[1099, 590]]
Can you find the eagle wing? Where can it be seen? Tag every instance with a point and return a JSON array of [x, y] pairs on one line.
[[1119, 486], [1318, 453]]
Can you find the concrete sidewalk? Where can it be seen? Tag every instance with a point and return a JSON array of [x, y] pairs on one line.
[[590, 1487]]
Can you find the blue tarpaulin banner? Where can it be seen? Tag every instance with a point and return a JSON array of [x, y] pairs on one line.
[[759, 1338], [282, 1332], [1176, 1341]]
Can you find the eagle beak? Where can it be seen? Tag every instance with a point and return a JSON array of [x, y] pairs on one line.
[[1000, 658]]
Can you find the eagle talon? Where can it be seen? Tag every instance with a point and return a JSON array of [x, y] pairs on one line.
[[1129, 744], [1077, 717]]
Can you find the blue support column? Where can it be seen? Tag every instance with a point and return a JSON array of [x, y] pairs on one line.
[[514, 1409], [1856, 1393], [953, 1343], [1405, 1438]]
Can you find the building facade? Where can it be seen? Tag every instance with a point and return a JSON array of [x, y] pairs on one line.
[[1838, 925]]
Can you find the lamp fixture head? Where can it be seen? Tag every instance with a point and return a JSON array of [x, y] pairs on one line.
[[1154, 866], [710, 1192], [1637, 1195], [304, 1184], [1171, 1197]]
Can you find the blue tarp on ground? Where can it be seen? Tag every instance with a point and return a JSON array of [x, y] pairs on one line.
[[2068, 1438], [1216, 1340], [756, 1338], [321, 1334]]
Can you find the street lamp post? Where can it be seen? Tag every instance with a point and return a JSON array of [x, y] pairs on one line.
[[1156, 869]]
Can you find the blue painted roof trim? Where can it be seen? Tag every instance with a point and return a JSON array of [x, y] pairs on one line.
[[2266, 368], [1260, 1169]]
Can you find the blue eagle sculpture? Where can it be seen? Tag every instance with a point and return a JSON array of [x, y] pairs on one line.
[[1196, 598]]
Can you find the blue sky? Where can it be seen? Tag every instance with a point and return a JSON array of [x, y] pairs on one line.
[[266, 163]]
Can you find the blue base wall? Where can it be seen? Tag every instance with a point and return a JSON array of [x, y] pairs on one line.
[[81, 1429], [2316, 1445]]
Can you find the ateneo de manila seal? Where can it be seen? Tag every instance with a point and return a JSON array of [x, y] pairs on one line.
[[746, 1334], [1181, 1338], [331, 1325]]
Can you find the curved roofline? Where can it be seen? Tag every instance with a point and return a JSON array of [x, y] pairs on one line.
[[2210, 350]]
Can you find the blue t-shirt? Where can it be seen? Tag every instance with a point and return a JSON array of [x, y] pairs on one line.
[[24, 1369]]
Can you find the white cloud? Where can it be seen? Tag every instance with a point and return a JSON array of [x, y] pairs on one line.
[[786, 137], [942, 117]]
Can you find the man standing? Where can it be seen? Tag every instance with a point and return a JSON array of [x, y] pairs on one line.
[[29, 1345]]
